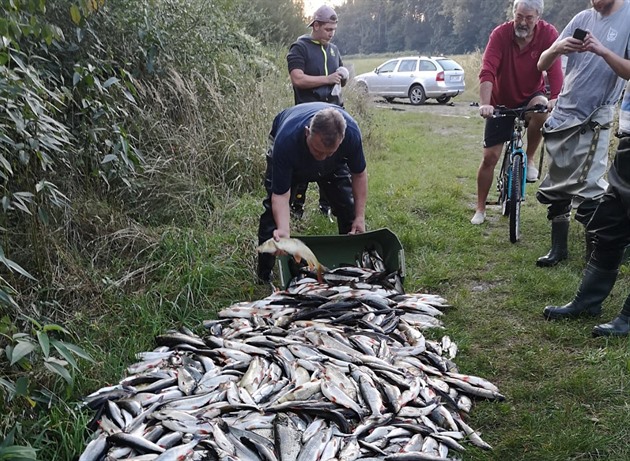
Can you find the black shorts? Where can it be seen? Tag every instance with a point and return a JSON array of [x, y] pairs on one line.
[[499, 130]]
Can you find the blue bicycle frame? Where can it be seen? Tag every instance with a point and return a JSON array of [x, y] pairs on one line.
[[512, 178]]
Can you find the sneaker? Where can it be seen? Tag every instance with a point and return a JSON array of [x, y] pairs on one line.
[[532, 174], [478, 218], [325, 210]]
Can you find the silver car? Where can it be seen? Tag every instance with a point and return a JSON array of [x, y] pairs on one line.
[[415, 77]]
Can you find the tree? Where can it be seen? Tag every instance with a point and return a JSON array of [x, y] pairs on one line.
[[430, 26], [274, 21]]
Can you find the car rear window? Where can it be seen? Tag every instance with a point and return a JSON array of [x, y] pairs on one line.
[[449, 64]]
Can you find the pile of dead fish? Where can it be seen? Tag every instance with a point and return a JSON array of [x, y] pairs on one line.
[[339, 370]]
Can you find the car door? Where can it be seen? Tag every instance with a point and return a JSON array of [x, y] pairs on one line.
[[404, 76], [380, 82], [427, 74]]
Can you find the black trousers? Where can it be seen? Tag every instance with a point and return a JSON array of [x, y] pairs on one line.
[[337, 187], [557, 208], [609, 228], [298, 196]]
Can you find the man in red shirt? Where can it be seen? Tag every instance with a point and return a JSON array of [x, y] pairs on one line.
[[510, 77]]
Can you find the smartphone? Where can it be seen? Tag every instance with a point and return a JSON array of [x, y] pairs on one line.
[[579, 34]]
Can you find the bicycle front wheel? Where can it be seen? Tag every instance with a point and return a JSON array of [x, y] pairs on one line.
[[515, 198], [503, 181]]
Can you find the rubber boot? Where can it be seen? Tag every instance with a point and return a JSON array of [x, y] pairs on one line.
[[619, 326], [595, 287], [588, 248], [559, 249]]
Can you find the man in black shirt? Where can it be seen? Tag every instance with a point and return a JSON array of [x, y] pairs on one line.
[[317, 74]]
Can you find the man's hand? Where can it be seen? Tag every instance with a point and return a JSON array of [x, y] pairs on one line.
[[279, 234], [486, 110], [358, 226], [594, 46], [571, 45], [335, 78]]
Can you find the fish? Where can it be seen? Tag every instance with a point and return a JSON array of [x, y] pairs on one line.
[[334, 370], [95, 449], [295, 248]]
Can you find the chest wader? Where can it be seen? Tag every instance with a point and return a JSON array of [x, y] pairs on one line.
[[559, 211], [610, 226], [619, 177]]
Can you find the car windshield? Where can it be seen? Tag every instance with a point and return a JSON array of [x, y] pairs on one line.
[[449, 64]]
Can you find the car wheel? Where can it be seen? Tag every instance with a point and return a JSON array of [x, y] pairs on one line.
[[416, 95], [443, 99], [362, 88]]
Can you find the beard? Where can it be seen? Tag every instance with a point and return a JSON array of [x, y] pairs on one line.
[[521, 32]]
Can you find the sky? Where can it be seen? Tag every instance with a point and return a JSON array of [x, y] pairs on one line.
[[311, 5]]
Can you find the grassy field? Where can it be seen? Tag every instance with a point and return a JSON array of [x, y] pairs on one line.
[[566, 392], [567, 396]]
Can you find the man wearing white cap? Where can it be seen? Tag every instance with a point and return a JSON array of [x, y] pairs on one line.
[[317, 74]]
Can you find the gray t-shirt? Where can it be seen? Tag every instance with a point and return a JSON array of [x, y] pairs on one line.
[[624, 112], [589, 82]]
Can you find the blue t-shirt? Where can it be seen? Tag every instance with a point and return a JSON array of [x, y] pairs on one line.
[[292, 161]]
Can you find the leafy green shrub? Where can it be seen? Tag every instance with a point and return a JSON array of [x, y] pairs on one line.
[[10, 451], [36, 361]]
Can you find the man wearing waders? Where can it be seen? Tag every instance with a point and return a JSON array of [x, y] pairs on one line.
[[609, 229], [578, 130]]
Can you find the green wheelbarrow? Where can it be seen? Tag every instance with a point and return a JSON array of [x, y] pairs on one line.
[[342, 250]]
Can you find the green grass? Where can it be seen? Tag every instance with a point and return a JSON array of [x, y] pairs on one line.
[[567, 396], [566, 392]]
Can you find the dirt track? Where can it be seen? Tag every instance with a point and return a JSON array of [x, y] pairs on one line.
[[454, 108]]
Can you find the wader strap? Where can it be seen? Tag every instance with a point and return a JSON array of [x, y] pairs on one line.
[[542, 157], [591, 152]]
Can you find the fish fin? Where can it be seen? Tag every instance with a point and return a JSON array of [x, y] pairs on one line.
[[320, 270]]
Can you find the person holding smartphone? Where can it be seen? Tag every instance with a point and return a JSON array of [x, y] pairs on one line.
[[596, 43]]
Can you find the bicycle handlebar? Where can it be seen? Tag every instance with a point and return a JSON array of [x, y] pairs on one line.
[[519, 112]]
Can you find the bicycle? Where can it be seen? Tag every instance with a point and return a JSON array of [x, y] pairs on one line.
[[512, 177]]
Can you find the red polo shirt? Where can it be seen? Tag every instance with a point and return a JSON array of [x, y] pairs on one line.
[[513, 71]]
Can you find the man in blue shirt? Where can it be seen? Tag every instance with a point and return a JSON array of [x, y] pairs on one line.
[[313, 142]]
